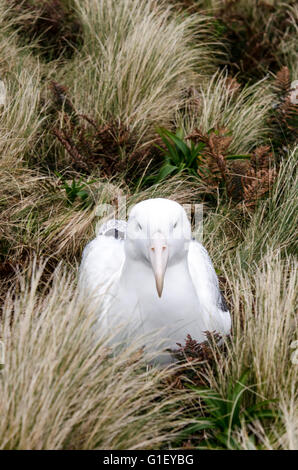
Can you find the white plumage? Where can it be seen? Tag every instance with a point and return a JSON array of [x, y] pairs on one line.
[[154, 277]]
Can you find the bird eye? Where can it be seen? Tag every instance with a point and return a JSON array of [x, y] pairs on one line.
[[175, 224], [139, 226]]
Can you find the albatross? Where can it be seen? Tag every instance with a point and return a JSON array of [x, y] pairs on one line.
[[152, 276]]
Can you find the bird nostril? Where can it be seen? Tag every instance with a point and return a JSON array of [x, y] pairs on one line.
[[164, 247]]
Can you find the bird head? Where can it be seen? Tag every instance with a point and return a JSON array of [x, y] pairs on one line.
[[159, 233]]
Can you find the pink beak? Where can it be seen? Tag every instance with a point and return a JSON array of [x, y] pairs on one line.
[[159, 254]]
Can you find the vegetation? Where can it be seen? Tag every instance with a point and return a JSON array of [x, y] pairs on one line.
[[227, 414], [190, 100]]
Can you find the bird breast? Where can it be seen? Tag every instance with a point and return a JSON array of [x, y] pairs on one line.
[[174, 315]]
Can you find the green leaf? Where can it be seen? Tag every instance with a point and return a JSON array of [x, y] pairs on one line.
[[201, 425], [182, 146], [166, 170], [167, 141]]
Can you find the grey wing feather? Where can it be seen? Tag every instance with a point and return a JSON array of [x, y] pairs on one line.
[[222, 303]]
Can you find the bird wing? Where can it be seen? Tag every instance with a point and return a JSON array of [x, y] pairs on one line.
[[100, 269], [205, 281]]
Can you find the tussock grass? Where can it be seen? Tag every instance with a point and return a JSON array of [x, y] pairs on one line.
[[288, 48], [21, 116], [271, 227], [62, 389], [260, 267], [139, 63], [49, 28], [20, 120], [289, 438], [274, 223], [243, 113], [49, 226], [262, 294], [136, 62], [264, 322], [260, 36]]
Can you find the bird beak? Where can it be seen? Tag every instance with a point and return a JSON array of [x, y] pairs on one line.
[[159, 258]]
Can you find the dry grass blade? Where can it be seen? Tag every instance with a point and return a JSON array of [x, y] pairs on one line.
[[60, 388], [244, 113]]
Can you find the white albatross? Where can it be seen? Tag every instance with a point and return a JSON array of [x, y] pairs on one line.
[[155, 279]]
